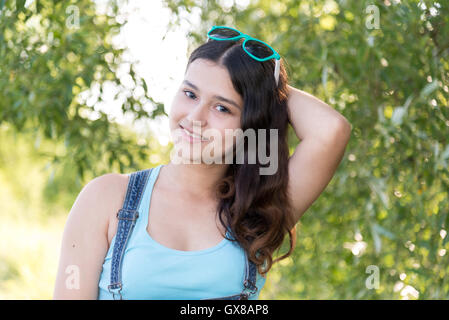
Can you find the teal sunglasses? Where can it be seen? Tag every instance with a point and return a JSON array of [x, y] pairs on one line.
[[255, 48]]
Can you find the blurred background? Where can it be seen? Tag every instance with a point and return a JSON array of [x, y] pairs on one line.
[[86, 86]]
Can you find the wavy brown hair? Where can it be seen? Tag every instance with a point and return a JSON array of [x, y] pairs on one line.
[[256, 207]]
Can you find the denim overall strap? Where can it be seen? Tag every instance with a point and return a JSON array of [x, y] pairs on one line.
[[127, 217], [250, 278]]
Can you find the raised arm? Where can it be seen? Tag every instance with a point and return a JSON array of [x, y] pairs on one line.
[[324, 134]]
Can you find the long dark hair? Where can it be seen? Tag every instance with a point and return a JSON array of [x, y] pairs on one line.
[[256, 207]]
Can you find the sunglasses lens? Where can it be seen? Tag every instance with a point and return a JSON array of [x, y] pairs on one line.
[[258, 49], [224, 33]]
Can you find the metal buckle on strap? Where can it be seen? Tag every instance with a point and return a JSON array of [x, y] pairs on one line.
[[249, 285], [115, 293], [134, 212]]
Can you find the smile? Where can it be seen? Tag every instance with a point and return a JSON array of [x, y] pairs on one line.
[[192, 136]]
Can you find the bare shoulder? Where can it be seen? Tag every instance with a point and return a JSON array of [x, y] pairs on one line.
[[101, 194], [102, 197], [108, 192], [85, 238], [108, 187]]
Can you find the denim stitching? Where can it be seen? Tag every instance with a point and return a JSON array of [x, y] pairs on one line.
[[126, 229], [252, 278], [119, 238], [126, 225], [122, 226], [114, 284]]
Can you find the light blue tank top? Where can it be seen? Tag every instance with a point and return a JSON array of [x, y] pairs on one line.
[[152, 271]]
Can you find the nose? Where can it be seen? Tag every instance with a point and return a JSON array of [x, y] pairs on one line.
[[198, 115]]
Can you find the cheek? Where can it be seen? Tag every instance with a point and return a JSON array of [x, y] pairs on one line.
[[176, 112], [229, 133]]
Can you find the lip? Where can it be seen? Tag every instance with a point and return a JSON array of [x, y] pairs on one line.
[[186, 129], [190, 138]]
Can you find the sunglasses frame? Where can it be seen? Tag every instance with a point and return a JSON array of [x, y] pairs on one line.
[[275, 55]]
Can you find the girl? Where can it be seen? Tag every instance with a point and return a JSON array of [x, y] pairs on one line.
[[203, 228]]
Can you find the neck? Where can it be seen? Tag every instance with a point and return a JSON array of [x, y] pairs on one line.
[[197, 180]]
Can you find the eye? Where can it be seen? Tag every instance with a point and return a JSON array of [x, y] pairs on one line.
[[185, 91], [226, 110], [193, 96]]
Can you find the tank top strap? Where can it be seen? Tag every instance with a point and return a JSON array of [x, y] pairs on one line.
[[144, 208]]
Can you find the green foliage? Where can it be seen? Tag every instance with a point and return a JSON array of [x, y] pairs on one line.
[[387, 205], [57, 63], [55, 60], [35, 200], [390, 192]]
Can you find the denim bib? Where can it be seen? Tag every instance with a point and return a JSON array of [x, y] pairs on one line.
[[128, 216]]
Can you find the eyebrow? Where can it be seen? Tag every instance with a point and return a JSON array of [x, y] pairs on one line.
[[187, 82]]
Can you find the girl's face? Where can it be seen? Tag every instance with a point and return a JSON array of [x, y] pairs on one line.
[[206, 104]]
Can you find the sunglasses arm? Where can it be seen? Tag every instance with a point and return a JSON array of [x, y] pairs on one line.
[[276, 70]]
